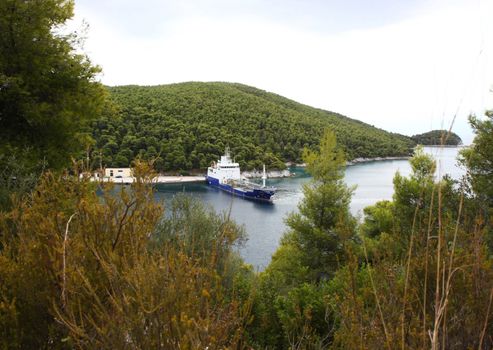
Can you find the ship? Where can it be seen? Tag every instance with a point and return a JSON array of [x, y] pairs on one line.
[[225, 174]]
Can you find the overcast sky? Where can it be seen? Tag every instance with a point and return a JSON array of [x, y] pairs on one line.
[[406, 66]]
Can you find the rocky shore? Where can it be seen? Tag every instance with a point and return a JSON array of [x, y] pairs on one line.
[[376, 159], [358, 160], [286, 173]]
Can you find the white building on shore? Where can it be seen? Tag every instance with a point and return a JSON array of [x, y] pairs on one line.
[[118, 173]]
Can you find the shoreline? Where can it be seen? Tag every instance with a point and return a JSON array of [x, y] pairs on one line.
[[376, 159], [276, 174], [158, 180], [446, 146], [249, 174], [358, 161]]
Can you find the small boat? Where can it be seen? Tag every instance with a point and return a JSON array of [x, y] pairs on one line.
[[225, 175]]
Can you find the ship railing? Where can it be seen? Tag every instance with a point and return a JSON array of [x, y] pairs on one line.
[[251, 185]]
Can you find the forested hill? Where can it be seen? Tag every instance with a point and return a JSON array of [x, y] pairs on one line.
[[437, 137], [188, 125]]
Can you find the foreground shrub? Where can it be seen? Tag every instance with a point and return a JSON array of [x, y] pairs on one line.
[[93, 271]]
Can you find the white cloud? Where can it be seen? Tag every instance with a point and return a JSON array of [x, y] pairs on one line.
[[406, 77]]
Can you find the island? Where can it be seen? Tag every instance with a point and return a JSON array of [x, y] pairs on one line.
[[437, 137]]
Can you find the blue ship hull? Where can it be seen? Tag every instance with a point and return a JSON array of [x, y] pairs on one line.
[[252, 194]]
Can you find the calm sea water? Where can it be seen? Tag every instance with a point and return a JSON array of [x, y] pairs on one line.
[[264, 223]]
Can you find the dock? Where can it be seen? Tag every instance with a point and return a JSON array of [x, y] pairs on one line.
[[161, 179]]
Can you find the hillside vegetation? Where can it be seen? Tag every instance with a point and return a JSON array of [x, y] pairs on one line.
[[186, 126], [437, 137]]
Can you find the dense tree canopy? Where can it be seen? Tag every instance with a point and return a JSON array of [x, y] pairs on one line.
[[47, 88], [291, 303], [479, 158], [437, 137], [188, 125]]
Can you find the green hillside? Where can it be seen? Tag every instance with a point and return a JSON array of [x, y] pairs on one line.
[[438, 137], [188, 125]]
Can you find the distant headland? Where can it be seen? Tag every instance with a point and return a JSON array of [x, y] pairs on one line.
[[437, 137]]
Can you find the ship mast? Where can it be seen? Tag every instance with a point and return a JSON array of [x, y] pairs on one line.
[[264, 177]]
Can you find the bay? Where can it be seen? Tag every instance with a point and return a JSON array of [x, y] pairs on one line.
[[265, 223]]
